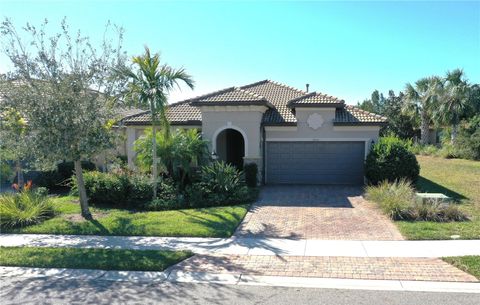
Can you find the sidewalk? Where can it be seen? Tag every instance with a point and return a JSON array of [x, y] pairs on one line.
[[253, 246]]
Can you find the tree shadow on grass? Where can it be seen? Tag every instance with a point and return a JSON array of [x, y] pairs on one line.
[[222, 223], [428, 186]]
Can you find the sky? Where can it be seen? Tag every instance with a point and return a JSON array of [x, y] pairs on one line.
[[344, 49]]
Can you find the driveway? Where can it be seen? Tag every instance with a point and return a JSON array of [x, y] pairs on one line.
[[316, 212]]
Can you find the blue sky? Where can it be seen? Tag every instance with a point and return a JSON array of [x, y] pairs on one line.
[[346, 49]]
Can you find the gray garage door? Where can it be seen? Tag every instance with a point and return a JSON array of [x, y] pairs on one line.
[[315, 162]]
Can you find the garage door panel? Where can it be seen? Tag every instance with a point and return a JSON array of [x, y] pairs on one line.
[[315, 162]]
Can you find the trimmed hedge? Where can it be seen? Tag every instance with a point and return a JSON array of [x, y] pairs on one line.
[[390, 159], [219, 184], [119, 190]]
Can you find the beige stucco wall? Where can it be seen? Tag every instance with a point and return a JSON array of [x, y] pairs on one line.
[[246, 120], [327, 132]]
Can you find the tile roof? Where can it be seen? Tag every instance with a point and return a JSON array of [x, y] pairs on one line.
[[233, 95], [351, 115], [315, 99], [278, 97], [181, 113]]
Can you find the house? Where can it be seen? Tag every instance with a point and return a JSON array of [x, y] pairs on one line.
[[294, 136]]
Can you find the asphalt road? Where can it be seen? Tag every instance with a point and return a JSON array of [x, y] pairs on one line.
[[69, 291]]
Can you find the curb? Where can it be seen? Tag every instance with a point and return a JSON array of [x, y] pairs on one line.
[[174, 276]]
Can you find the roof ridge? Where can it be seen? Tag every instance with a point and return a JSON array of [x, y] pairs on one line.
[[286, 86], [255, 83], [209, 94]]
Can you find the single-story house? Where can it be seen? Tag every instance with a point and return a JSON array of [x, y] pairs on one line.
[[294, 136]]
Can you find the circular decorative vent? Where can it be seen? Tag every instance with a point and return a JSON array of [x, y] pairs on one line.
[[315, 121]]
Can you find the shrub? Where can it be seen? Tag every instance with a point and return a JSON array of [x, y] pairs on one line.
[[25, 208], [179, 152], [390, 159], [220, 184], [125, 190], [251, 171], [41, 191], [399, 202], [468, 140], [168, 198], [59, 177], [104, 189], [393, 198]]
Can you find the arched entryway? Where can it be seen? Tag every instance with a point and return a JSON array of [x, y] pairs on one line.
[[230, 147]]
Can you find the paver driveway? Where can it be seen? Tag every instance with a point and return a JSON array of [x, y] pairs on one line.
[[316, 212]]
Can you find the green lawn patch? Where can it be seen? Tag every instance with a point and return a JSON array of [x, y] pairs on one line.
[[203, 222], [456, 178], [104, 259], [470, 264]]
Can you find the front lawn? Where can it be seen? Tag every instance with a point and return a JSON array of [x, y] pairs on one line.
[[104, 259], [456, 178], [470, 264], [203, 222]]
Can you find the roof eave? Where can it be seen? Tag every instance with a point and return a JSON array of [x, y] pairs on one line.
[[359, 123], [173, 123], [279, 124], [315, 105]]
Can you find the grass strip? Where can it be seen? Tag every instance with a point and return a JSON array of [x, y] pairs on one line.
[[87, 258]]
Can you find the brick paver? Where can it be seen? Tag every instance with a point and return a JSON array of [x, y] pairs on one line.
[[371, 268], [316, 212]]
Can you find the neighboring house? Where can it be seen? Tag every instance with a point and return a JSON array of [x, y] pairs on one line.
[[294, 136]]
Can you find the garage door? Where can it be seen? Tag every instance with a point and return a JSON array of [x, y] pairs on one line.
[[315, 162]]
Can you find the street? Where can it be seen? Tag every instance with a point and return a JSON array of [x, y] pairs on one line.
[[71, 291]]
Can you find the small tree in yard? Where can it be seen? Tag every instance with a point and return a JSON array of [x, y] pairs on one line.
[[61, 86], [148, 88]]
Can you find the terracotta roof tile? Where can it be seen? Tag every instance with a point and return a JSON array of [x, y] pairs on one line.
[[351, 115], [315, 99], [232, 94], [278, 97], [178, 114]]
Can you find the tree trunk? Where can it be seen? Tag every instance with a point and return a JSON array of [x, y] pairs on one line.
[[154, 160], [424, 128], [453, 136], [81, 190], [20, 179]]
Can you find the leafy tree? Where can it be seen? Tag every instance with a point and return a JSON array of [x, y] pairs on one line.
[[15, 138], [399, 123], [421, 98], [148, 87], [455, 100], [375, 104], [62, 89], [177, 152]]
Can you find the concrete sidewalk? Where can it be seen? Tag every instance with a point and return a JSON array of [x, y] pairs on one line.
[[253, 246], [175, 276]]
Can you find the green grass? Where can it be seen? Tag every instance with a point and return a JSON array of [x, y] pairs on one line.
[[205, 222], [456, 178], [104, 259], [470, 264]]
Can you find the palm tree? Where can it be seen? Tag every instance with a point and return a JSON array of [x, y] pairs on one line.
[[148, 87], [455, 100], [421, 98]]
